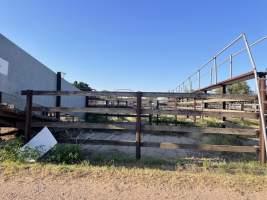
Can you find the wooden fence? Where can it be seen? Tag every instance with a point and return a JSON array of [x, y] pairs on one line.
[[144, 107]]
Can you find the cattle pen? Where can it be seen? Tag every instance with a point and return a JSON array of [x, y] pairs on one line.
[[147, 108]]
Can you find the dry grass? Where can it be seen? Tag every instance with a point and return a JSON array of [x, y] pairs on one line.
[[244, 176]]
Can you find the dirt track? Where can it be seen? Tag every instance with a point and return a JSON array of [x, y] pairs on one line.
[[115, 187]]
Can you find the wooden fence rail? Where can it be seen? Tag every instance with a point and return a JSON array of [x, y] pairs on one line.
[[142, 104]]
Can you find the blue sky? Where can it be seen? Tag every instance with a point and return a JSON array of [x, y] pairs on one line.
[[147, 45]]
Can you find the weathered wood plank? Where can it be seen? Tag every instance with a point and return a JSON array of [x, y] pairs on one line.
[[98, 142], [84, 125], [202, 147], [126, 111], [149, 128], [200, 130], [206, 112], [117, 111], [82, 93], [166, 145], [145, 94]]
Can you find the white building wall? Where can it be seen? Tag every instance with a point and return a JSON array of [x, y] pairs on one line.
[[25, 72]]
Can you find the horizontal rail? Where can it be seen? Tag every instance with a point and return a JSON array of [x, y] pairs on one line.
[[206, 112], [200, 130], [79, 93], [149, 128], [123, 111], [230, 81], [114, 111], [167, 145], [133, 94]]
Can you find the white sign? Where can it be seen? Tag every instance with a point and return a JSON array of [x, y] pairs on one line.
[[3, 67], [43, 142]]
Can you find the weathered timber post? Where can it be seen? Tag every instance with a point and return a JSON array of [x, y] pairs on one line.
[[150, 116], [157, 107], [224, 104], [86, 105], [195, 108], [28, 116], [118, 105], [138, 124], [262, 87], [107, 105], [187, 116], [205, 104], [176, 105], [58, 98]]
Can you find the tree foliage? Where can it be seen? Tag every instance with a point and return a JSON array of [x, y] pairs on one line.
[[239, 88], [82, 86]]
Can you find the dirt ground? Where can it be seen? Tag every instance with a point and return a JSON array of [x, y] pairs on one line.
[[121, 186]]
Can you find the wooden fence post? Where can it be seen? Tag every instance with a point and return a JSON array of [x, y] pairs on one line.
[[28, 116], [157, 107], [205, 104], [262, 152], [224, 104], [175, 116], [58, 98], [138, 124], [86, 106], [195, 108], [150, 116]]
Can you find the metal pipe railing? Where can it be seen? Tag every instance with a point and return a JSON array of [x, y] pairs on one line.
[[262, 114], [216, 65]]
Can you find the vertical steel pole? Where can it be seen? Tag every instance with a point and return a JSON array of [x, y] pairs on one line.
[[215, 70], [211, 76], [190, 85], [231, 65], [262, 86], [199, 81], [138, 124], [258, 90]]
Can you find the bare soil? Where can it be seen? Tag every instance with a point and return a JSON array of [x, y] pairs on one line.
[[125, 184]]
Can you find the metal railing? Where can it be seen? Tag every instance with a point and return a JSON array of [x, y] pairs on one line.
[[186, 85]]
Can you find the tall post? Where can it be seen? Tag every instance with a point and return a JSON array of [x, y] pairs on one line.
[[86, 106], [211, 73], [157, 107], [58, 98], [138, 124], [190, 85], [224, 103], [199, 81], [1, 98], [205, 104], [28, 116], [215, 70], [176, 105], [150, 115], [195, 108], [231, 65], [262, 150], [107, 105]]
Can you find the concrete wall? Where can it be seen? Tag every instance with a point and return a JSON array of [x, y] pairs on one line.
[[25, 72]]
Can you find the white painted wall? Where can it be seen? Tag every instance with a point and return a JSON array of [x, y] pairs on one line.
[[20, 71]]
